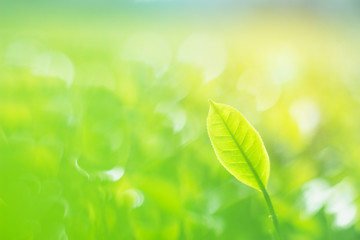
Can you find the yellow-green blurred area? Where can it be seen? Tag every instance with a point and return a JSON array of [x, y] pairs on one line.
[[103, 120]]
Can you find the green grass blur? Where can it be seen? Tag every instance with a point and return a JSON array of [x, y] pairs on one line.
[[103, 124]]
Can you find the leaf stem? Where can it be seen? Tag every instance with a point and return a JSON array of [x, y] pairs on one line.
[[268, 203], [258, 180], [272, 212]]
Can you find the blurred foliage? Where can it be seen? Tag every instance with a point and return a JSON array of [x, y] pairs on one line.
[[103, 126]]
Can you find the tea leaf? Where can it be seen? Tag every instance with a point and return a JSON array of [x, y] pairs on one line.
[[238, 146]]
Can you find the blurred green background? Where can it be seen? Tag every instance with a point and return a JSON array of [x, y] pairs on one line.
[[103, 109]]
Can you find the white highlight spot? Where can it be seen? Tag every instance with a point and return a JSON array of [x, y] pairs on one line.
[[54, 64], [282, 66], [113, 174], [345, 217], [337, 200], [81, 170], [137, 197], [205, 52], [306, 114], [316, 193], [341, 204]]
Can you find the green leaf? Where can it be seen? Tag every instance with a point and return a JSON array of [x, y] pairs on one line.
[[238, 146]]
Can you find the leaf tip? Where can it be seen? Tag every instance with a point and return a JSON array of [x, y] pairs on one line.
[[212, 103]]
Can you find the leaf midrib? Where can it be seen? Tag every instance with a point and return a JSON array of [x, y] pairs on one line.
[[260, 183]]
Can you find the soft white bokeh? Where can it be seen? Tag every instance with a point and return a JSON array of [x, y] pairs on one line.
[[22, 53], [316, 193], [341, 204], [148, 48], [283, 66], [53, 64], [174, 114], [80, 169], [306, 113], [112, 175], [337, 200], [205, 52], [137, 197], [256, 82]]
